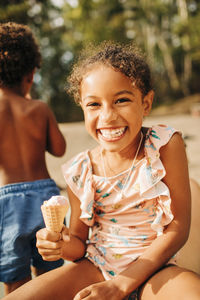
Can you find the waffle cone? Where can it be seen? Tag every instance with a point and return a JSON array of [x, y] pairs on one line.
[[54, 216]]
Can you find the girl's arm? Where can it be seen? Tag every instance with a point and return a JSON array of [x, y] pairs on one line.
[[72, 245], [174, 159], [78, 231]]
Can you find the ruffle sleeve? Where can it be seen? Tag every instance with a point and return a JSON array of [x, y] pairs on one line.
[[78, 176], [151, 185]]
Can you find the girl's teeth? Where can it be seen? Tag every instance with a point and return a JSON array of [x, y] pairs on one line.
[[112, 133]]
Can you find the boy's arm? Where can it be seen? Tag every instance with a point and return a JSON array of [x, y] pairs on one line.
[[56, 144]]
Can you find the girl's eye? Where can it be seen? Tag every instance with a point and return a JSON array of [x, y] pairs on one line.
[[122, 100], [92, 104]]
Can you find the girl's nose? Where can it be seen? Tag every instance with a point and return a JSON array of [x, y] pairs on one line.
[[108, 114]]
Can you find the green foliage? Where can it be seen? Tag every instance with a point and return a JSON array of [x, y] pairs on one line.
[[167, 32]]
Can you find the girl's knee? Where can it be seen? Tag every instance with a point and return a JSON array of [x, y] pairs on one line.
[[190, 283], [172, 283]]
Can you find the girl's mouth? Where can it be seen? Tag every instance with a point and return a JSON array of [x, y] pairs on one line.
[[112, 133]]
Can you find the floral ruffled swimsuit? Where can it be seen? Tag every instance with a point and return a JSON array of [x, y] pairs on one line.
[[123, 227]]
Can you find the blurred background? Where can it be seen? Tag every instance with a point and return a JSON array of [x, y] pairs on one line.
[[168, 31]]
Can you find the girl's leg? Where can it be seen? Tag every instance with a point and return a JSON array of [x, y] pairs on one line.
[[172, 283], [189, 256], [11, 286], [62, 283]]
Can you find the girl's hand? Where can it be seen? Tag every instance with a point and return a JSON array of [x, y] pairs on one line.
[[103, 290], [50, 243]]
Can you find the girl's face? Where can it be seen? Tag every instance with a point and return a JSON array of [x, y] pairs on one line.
[[113, 108]]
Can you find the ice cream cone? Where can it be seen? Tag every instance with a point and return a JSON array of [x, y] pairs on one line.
[[54, 216]]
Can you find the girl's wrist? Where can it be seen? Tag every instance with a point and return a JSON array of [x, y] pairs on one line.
[[72, 249], [115, 285], [124, 284]]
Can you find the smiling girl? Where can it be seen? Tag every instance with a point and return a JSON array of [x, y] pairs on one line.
[[132, 190]]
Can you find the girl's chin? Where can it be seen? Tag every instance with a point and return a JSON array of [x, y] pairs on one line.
[[110, 146]]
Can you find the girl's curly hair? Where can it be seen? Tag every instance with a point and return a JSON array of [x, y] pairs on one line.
[[19, 53], [126, 59]]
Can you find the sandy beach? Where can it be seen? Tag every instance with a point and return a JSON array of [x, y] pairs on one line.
[[78, 140]]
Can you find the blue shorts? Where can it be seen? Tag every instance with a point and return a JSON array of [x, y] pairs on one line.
[[20, 219]]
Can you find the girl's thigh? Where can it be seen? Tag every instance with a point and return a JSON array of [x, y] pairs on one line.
[[172, 283], [62, 283]]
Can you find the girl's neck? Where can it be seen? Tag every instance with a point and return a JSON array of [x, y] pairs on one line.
[[113, 163]]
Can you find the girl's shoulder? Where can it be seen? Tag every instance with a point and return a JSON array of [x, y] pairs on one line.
[[156, 137], [78, 176], [77, 162], [81, 165], [159, 135]]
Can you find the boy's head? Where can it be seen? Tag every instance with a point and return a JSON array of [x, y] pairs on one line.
[[123, 58], [19, 53]]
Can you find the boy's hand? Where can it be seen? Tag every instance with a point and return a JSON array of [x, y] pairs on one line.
[[50, 243]]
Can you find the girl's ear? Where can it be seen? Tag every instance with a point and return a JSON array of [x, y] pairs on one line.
[[147, 102]]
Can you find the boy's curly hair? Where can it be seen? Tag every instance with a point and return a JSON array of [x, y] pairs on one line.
[[19, 53], [126, 59]]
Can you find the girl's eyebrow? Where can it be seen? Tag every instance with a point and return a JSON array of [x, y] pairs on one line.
[[124, 92], [90, 96]]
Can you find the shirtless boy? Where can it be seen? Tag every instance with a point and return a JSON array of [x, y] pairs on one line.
[[28, 128]]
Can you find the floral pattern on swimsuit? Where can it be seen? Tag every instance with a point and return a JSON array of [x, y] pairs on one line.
[[123, 228]]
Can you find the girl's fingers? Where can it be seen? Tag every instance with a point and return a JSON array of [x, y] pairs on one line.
[[65, 230], [44, 234], [82, 294], [49, 251], [41, 244], [65, 234], [50, 255]]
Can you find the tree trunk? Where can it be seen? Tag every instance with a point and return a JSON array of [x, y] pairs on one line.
[[187, 68], [169, 65]]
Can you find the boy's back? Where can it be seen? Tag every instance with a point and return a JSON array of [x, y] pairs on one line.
[[27, 129]]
